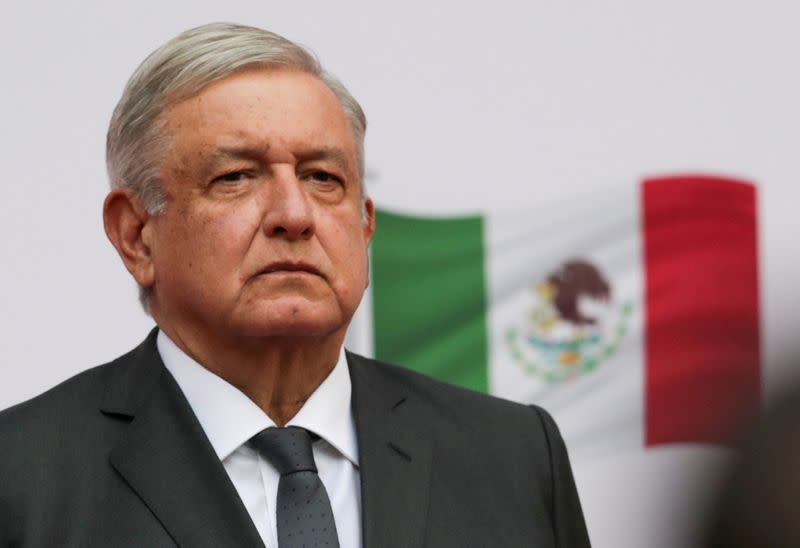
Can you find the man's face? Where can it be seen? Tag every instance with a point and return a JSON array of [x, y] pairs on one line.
[[263, 233]]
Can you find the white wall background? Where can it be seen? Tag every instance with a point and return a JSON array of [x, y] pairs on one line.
[[472, 107]]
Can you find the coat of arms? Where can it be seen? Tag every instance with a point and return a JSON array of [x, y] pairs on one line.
[[573, 325]]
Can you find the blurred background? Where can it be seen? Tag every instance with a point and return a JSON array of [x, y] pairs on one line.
[[587, 205]]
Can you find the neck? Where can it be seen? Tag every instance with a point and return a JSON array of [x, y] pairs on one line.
[[277, 373]]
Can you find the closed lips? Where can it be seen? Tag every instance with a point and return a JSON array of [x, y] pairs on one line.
[[290, 267]]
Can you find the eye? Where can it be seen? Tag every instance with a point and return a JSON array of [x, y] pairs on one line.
[[232, 177], [324, 181], [323, 177]]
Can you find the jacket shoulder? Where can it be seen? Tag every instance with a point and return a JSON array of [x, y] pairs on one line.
[[512, 455], [60, 411], [458, 405], [52, 407], [85, 392]]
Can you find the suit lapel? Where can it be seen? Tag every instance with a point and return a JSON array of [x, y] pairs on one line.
[[167, 459], [394, 460]]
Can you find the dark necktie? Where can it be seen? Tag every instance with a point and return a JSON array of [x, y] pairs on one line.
[[303, 515]]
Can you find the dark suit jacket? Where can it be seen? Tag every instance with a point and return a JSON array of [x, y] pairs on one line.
[[115, 457]]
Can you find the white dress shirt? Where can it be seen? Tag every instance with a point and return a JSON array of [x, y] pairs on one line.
[[229, 419]]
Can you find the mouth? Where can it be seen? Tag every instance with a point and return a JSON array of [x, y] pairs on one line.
[[281, 267]]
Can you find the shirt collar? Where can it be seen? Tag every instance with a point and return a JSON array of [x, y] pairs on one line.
[[229, 418]]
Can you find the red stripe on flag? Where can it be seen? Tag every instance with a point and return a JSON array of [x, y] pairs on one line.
[[702, 316]]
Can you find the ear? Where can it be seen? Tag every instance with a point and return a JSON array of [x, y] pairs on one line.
[[369, 219], [369, 229], [129, 227]]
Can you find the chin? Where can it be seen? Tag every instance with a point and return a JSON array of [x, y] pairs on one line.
[[288, 319]]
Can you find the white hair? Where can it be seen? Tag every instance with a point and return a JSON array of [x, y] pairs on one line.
[[137, 139]]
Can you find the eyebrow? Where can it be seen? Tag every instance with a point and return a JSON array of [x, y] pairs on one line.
[[236, 153], [328, 154]]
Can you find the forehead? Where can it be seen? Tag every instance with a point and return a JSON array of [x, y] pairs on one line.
[[275, 109]]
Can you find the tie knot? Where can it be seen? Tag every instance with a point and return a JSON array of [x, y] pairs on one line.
[[288, 449]]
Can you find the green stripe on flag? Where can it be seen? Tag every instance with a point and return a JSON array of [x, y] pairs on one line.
[[429, 296]]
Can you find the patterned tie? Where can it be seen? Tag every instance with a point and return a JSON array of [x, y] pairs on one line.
[[304, 516]]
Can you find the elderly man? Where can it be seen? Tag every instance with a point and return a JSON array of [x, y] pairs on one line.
[[237, 205]]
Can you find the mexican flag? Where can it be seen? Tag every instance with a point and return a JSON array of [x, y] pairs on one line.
[[631, 315]]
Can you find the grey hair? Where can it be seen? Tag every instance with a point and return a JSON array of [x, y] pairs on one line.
[[137, 139]]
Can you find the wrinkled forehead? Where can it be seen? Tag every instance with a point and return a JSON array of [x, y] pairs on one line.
[[262, 110]]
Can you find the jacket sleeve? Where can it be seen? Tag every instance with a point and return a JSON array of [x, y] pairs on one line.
[[569, 527]]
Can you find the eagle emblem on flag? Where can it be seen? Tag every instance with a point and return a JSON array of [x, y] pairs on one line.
[[572, 324]]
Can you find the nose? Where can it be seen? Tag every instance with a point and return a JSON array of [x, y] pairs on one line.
[[289, 211]]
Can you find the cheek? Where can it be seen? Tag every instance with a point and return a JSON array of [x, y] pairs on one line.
[[353, 260], [213, 241]]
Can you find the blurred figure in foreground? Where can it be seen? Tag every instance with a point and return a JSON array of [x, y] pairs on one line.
[[757, 504]]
